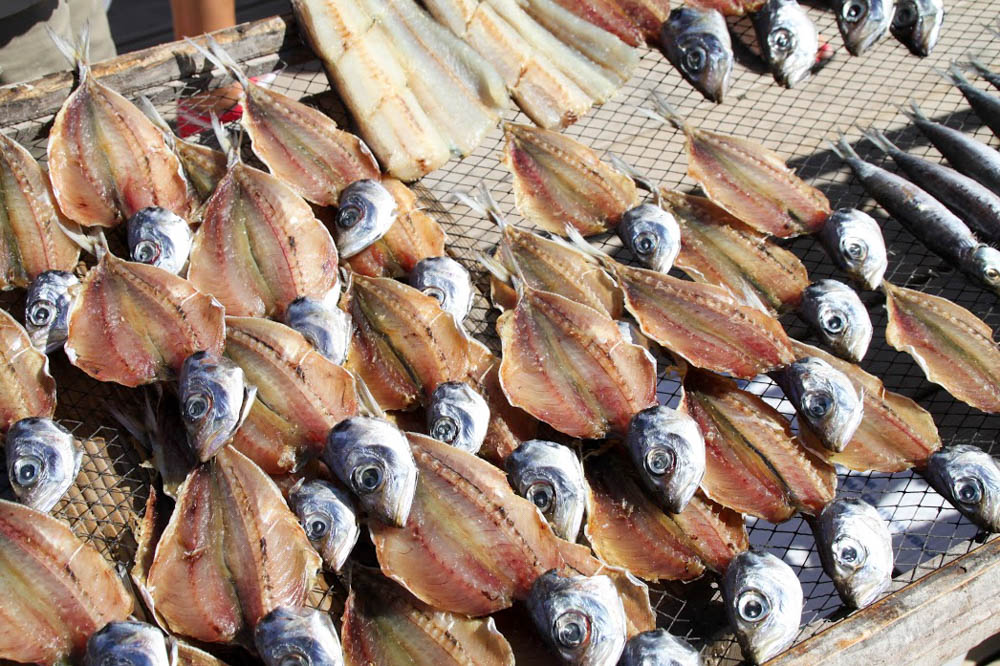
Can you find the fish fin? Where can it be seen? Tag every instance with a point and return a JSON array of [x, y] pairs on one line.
[[843, 150], [222, 136], [640, 179], [878, 139], [95, 244], [367, 401], [976, 64], [914, 112], [227, 61], [494, 267], [146, 106], [249, 397], [580, 243], [78, 54], [664, 112]]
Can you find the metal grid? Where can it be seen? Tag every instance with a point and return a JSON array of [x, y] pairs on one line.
[[797, 124]]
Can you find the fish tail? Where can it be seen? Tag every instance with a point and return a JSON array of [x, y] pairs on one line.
[[577, 241], [663, 111], [78, 55], [843, 150], [978, 65], [493, 267], [231, 149], [878, 139], [219, 58], [637, 176], [149, 110], [367, 401]]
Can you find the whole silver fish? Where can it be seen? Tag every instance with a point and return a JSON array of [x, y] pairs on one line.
[[161, 238], [373, 458], [838, 316], [215, 400], [298, 637], [323, 324], [446, 280], [327, 515], [43, 460], [697, 43], [788, 40], [668, 451], [763, 599], [658, 647], [969, 478], [130, 643], [917, 23], [365, 212], [46, 309], [550, 476], [855, 547], [824, 398], [863, 22], [854, 241], [580, 617], [458, 415], [652, 235]]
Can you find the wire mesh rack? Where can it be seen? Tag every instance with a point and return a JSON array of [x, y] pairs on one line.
[[112, 489]]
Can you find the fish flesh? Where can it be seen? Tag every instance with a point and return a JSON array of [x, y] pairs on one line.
[[252, 555], [698, 45], [446, 280], [863, 23], [969, 478], [647, 15], [329, 519], [658, 646], [58, 589], [836, 314], [509, 426], [754, 464], [609, 15], [458, 415], [46, 309], [130, 642], [788, 40], [365, 211], [668, 453], [652, 235], [927, 219], [385, 624], [953, 347], [486, 568], [917, 23], [43, 459], [729, 7], [986, 105], [32, 239], [148, 318], [854, 241], [300, 394], [763, 599], [855, 547], [215, 401], [716, 248], [27, 388], [298, 635], [559, 181], [159, 238], [324, 325], [550, 476]]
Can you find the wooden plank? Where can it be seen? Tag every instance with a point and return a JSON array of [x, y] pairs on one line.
[[941, 616]]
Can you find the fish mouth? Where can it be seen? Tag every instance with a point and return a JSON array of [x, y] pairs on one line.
[[790, 76], [47, 340], [718, 78], [336, 554], [862, 594]]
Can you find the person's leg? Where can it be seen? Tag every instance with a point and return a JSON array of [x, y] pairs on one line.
[[196, 17], [26, 52]]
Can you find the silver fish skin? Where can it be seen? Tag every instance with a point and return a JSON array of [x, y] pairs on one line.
[[854, 241], [458, 415], [698, 45], [215, 400], [855, 546], [652, 235], [668, 451], [46, 309], [581, 618], [373, 458], [43, 460], [969, 478], [298, 636], [161, 238], [130, 643], [862, 23], [763, 599], [788, 40], [824, 398], [917, 23], [446, 280], [837, 315], [323, 324], [327, 515], [658, 647], [365, 212], [550, 476], [986, 105]]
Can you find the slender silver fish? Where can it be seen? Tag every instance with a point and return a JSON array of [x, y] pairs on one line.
[[824, 398], [298, 637], [854, 241], [446, 280], [215, 401], [323, 324], [658, 647], [365, 213], [969, 478], [43, 460], [458, 415], [46, 309], [550, 476], [788, 40], [838, 316], [327, 515], [917, 23], [130, 643], [698, 45], [863, 22], [855, 547], [161, 238], [668, 451]]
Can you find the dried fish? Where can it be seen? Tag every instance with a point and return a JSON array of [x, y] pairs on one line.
[[327, 515], [863, 23], [729, 7], [457, 415], [855, 547], [365, 211], [969, 478], [657, 647], [43, 459], [917, 23], [854, 241], [788, 40], [648, 15], [509, 426], [323, 324], [298, 635], [46, 309], [215, 400], [27, 388], [446, 280], [763, 598], [668, 453], [550, 476], [130, 642], [159, 238], [609, 15], [698, 45], [824, 398], [835, 312]]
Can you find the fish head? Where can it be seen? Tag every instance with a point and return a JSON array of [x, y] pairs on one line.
[[373, 458], [580, 617], [763, 599], [46, 309], [298, 637], [863, 22], [447, 281], [986, 264], [917, 23], [129, 643], [652, 235], [970, 479], [365, 212], [668, 451], [550, 476], [856, 549], [327, 515], [215, 400], [657, 647], [697, 43], [855, 241], [788, 40], [825, 399], [837, 314], [43, 460], [323, 324], [458, 415], [159, 237]]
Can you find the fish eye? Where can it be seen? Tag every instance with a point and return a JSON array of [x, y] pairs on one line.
[[294, 657], [445, 429], [368, 478], [992, 274], [782, 40], [694, 59], [856, 250], [753, 606], [41, 313], [645, 242], [27, 471], [906, 15], [817, 404], [849, 553], [146, 252], [316, 525], [349, 215], [854, 11], [659, 461], [968, 490], [833, 322], [542, 495], [197, 405], [435, 292], [571, 629]]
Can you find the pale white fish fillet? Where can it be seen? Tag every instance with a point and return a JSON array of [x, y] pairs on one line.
[[456, 15], [334, 24]]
